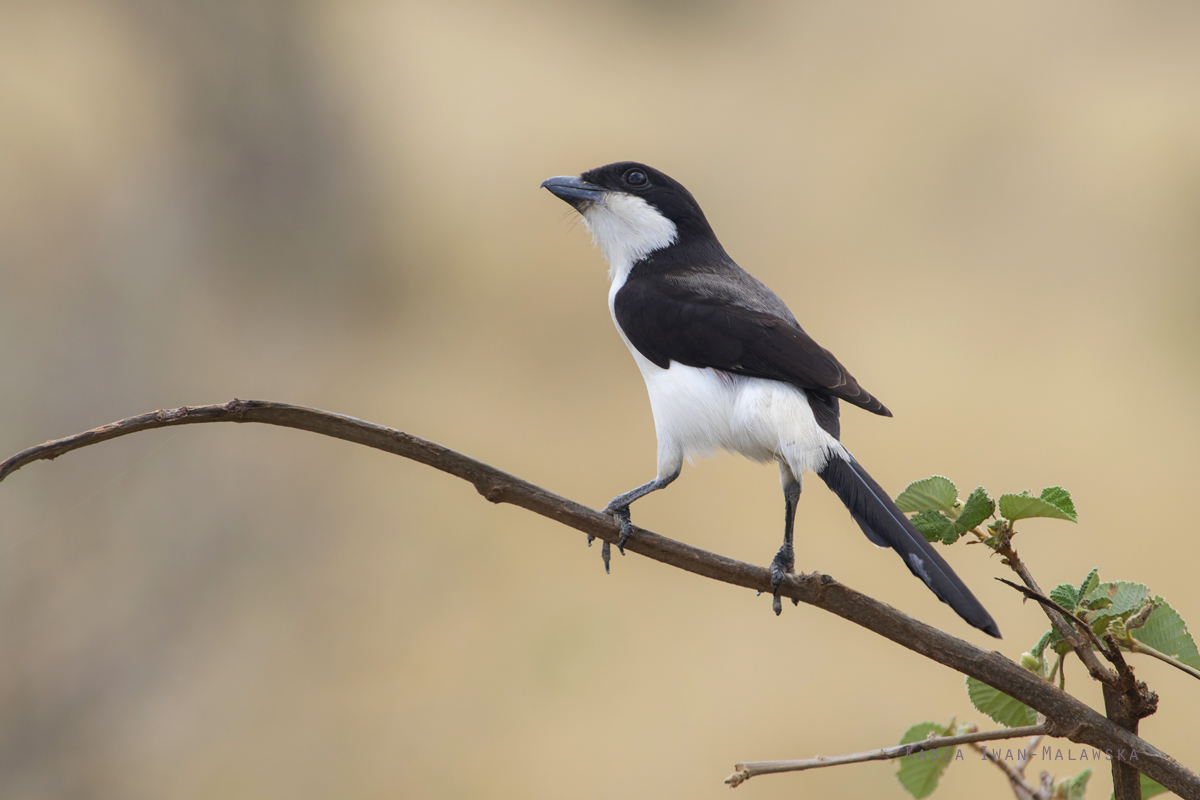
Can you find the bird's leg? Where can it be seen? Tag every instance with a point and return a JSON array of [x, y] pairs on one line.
[[619, 507], [784, 562]]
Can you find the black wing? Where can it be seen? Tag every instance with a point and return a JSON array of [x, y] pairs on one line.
[[667, 321]]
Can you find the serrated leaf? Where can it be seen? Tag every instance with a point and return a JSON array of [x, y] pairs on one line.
[[977, 509], [1002, 708], [1167, 633], [1126, 596], [1065, 595], [1048, 638], [938, 527], [1150, 787], [929, 494], [1060, 498], [920, 772], [935, 526], [1089, 583], [1024, 506]]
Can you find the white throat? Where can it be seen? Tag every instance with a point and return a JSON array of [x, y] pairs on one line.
[[626, 229]]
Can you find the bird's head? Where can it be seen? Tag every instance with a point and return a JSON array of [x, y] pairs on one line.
[[632, 210]]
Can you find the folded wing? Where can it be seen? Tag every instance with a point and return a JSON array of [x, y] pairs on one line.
[[671, 321]]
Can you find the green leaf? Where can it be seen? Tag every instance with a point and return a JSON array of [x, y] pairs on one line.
[[1089, 583], [1150, 787], [919, 773], [977, 509], [1065, 595], [1023, 506], [931, 494], [1167, 633], [1073, 788], [1048, 638], [1126, 596], [936, 527], [1060, 498], [1006, 710]]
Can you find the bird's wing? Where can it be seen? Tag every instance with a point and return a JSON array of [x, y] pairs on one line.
[[668, 321]]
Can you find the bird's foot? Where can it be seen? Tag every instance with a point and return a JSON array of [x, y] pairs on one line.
[[621, 514], [782, 565]]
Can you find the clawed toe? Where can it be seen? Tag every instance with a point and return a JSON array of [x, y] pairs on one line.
[[621, 514], [781, 566]]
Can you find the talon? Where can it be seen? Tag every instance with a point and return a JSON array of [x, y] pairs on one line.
[[590, 539], [622, 516], [626, 533], [782, 565]]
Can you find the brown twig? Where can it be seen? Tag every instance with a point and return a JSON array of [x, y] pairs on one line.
[[1085, 653], [749, 769], [1016, 780], [1023, 762], [1046, 602], [1071, 718]]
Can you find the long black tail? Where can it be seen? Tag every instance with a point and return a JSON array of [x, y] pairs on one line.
[[886, 526]]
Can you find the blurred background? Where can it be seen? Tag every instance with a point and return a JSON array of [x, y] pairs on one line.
[[990, 213]]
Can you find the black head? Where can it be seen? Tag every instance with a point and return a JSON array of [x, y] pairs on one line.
[[636, 214], [660, 190], [667, 195]]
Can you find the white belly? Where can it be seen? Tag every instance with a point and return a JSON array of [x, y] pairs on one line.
[[700, 411]]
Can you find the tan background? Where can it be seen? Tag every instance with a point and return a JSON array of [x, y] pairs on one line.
[[989, 213]]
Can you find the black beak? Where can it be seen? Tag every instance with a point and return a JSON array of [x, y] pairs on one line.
[[575, 191]]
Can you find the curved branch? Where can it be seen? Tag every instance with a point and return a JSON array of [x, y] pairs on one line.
[[1068, 717]]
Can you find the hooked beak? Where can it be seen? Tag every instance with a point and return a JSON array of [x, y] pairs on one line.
[[573, 190]]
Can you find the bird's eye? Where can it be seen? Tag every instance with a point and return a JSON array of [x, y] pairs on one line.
[[635, 177]]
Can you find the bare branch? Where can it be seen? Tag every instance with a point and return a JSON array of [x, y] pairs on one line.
[[1023, 762], [747, 770], [1070, 717], [1022, 789]]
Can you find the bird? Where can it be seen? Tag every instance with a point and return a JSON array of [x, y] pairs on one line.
[[728, 367]]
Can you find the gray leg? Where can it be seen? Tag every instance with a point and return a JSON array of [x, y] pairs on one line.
[[784, 562], [619, 508]]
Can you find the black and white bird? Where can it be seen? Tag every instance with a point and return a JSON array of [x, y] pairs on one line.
[[727, 366]]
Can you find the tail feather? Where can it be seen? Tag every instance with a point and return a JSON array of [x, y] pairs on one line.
[[886, 526]]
